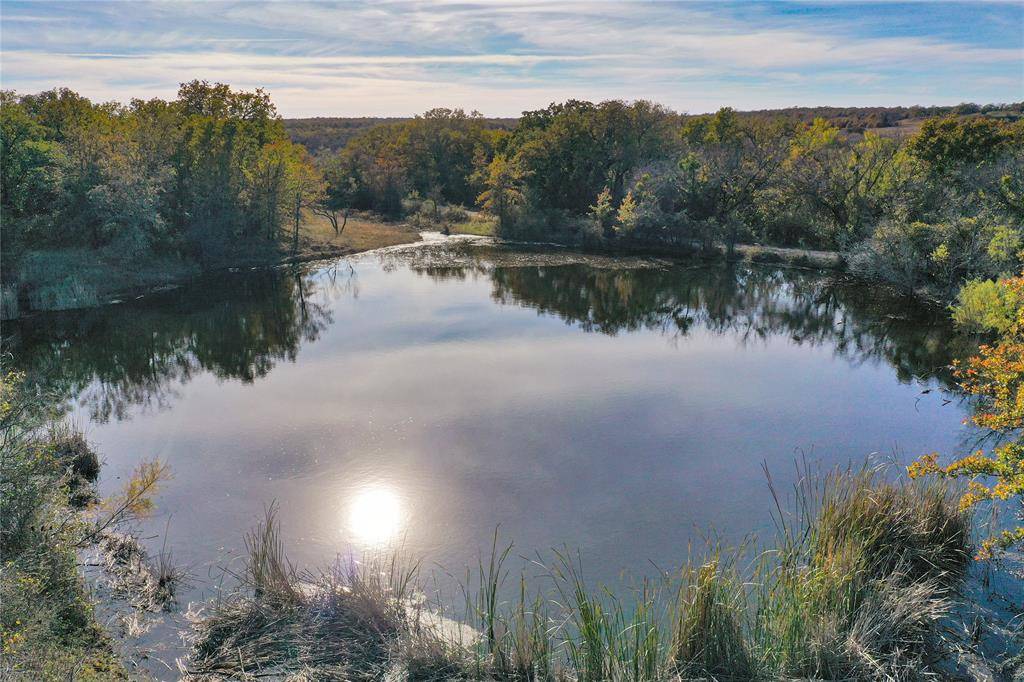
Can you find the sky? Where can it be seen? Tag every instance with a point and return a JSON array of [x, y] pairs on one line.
[[501, 57]]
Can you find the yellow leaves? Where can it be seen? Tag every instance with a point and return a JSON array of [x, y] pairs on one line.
[[11, 641], [976, 492], [972, 465], [818, 135], [1005, 244], [926, 464], [996, 377], [136, 498], [941, 254], [9, 384], [1004, 540]]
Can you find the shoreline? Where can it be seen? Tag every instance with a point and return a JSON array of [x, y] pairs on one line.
[[407, 236], [362, 236], [766, 255]]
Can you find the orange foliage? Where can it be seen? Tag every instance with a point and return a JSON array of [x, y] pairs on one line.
[[996, 377]]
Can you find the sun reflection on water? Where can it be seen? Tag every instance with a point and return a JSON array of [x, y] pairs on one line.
[[375, 515]]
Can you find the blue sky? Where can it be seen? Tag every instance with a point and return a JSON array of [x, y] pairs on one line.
[[400, 58]]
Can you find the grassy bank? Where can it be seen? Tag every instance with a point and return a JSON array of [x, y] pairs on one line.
[[855, 586], [46, 618], [49, 515], [79, 278]]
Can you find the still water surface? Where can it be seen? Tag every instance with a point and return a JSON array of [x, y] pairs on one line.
[[428, 395]]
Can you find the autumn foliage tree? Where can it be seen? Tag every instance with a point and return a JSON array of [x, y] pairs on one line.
[[996, 378], [503, 190]]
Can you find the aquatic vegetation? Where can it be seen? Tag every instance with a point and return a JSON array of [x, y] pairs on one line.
[[860, 576]]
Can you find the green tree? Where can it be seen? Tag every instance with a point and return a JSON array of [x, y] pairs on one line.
[[950, 142], [839, 181], [728, 162], [503, 191], [339, 195], [31, 172], [569, 152], [282, 182]]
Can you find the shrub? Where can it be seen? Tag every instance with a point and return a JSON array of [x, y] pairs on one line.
[[996, 378], [70, 449], [47, 626]]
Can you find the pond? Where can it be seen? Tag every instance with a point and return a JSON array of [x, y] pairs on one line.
[[426, 396]]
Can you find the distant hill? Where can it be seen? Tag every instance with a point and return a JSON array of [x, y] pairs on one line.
[[890, 120], [333, 133]]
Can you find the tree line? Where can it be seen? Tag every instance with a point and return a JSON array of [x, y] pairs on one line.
[[213, 170], [930, 210], [194, 176]]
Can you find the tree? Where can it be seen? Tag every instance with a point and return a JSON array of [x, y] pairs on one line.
[[31, 172], [837, 180], [504, 190], [339, 195], [604, 211], [283, 181], [996, 378], [570, 152], [727, 162], [305, 184], [223, 134], [950, 142], [627, 214], [438, 155]]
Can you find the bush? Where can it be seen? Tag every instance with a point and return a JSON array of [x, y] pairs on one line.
[[765, 256], [455, 214]]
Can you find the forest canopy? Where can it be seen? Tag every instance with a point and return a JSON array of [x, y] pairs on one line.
[[213, 172], [191, 175]]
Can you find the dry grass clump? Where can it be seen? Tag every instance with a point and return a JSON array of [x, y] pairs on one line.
[[341, 623], [144, 583], [70, 448]]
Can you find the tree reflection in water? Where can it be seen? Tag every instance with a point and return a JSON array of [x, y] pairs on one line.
[[239, 326], [748, 303], [234, 326]]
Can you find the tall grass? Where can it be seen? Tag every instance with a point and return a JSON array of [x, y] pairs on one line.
[[708, 638], [863, 570], [339, 623], [854, 586]]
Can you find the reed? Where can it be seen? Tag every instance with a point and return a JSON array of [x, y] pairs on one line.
[[854, 586]]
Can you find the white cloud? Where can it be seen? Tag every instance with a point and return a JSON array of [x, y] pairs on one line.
[[401, 57]]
